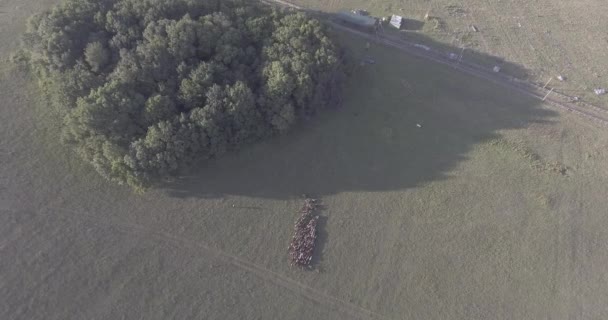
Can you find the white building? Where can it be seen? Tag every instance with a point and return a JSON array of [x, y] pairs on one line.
[[396, 21]]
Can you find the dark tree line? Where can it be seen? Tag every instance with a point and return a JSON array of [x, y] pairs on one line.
[[146, 86]]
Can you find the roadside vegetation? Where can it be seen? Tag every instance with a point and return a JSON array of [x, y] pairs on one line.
[[145, 87]]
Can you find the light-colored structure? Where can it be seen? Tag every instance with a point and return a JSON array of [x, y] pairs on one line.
[[396, 21]]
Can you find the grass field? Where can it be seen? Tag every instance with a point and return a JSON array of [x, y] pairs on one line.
[[548, 38], [493, 209]]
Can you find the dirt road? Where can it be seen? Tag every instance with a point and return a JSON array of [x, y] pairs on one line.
[[551, 98]]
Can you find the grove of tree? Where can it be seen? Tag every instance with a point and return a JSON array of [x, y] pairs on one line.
[[145, 87]]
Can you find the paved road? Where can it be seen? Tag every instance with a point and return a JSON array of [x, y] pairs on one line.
[[554, 99]]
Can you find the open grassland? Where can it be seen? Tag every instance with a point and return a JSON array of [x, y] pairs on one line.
[[494, 209], [548, 38]]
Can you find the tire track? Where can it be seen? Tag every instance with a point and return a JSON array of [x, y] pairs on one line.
[[310, 293], [588, 112]]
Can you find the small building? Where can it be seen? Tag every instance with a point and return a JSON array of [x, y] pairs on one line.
[[357, 20], [396, 21]]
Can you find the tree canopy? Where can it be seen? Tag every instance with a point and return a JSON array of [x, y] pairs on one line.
[[146, 86]]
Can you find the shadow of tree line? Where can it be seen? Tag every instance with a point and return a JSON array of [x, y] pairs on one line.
[[404, 122]]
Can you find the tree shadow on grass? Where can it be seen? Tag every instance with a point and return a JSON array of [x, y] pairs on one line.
[[468, 54], [412, 24], [404, 122]]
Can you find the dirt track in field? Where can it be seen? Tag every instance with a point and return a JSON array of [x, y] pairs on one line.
[[556, 100]]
